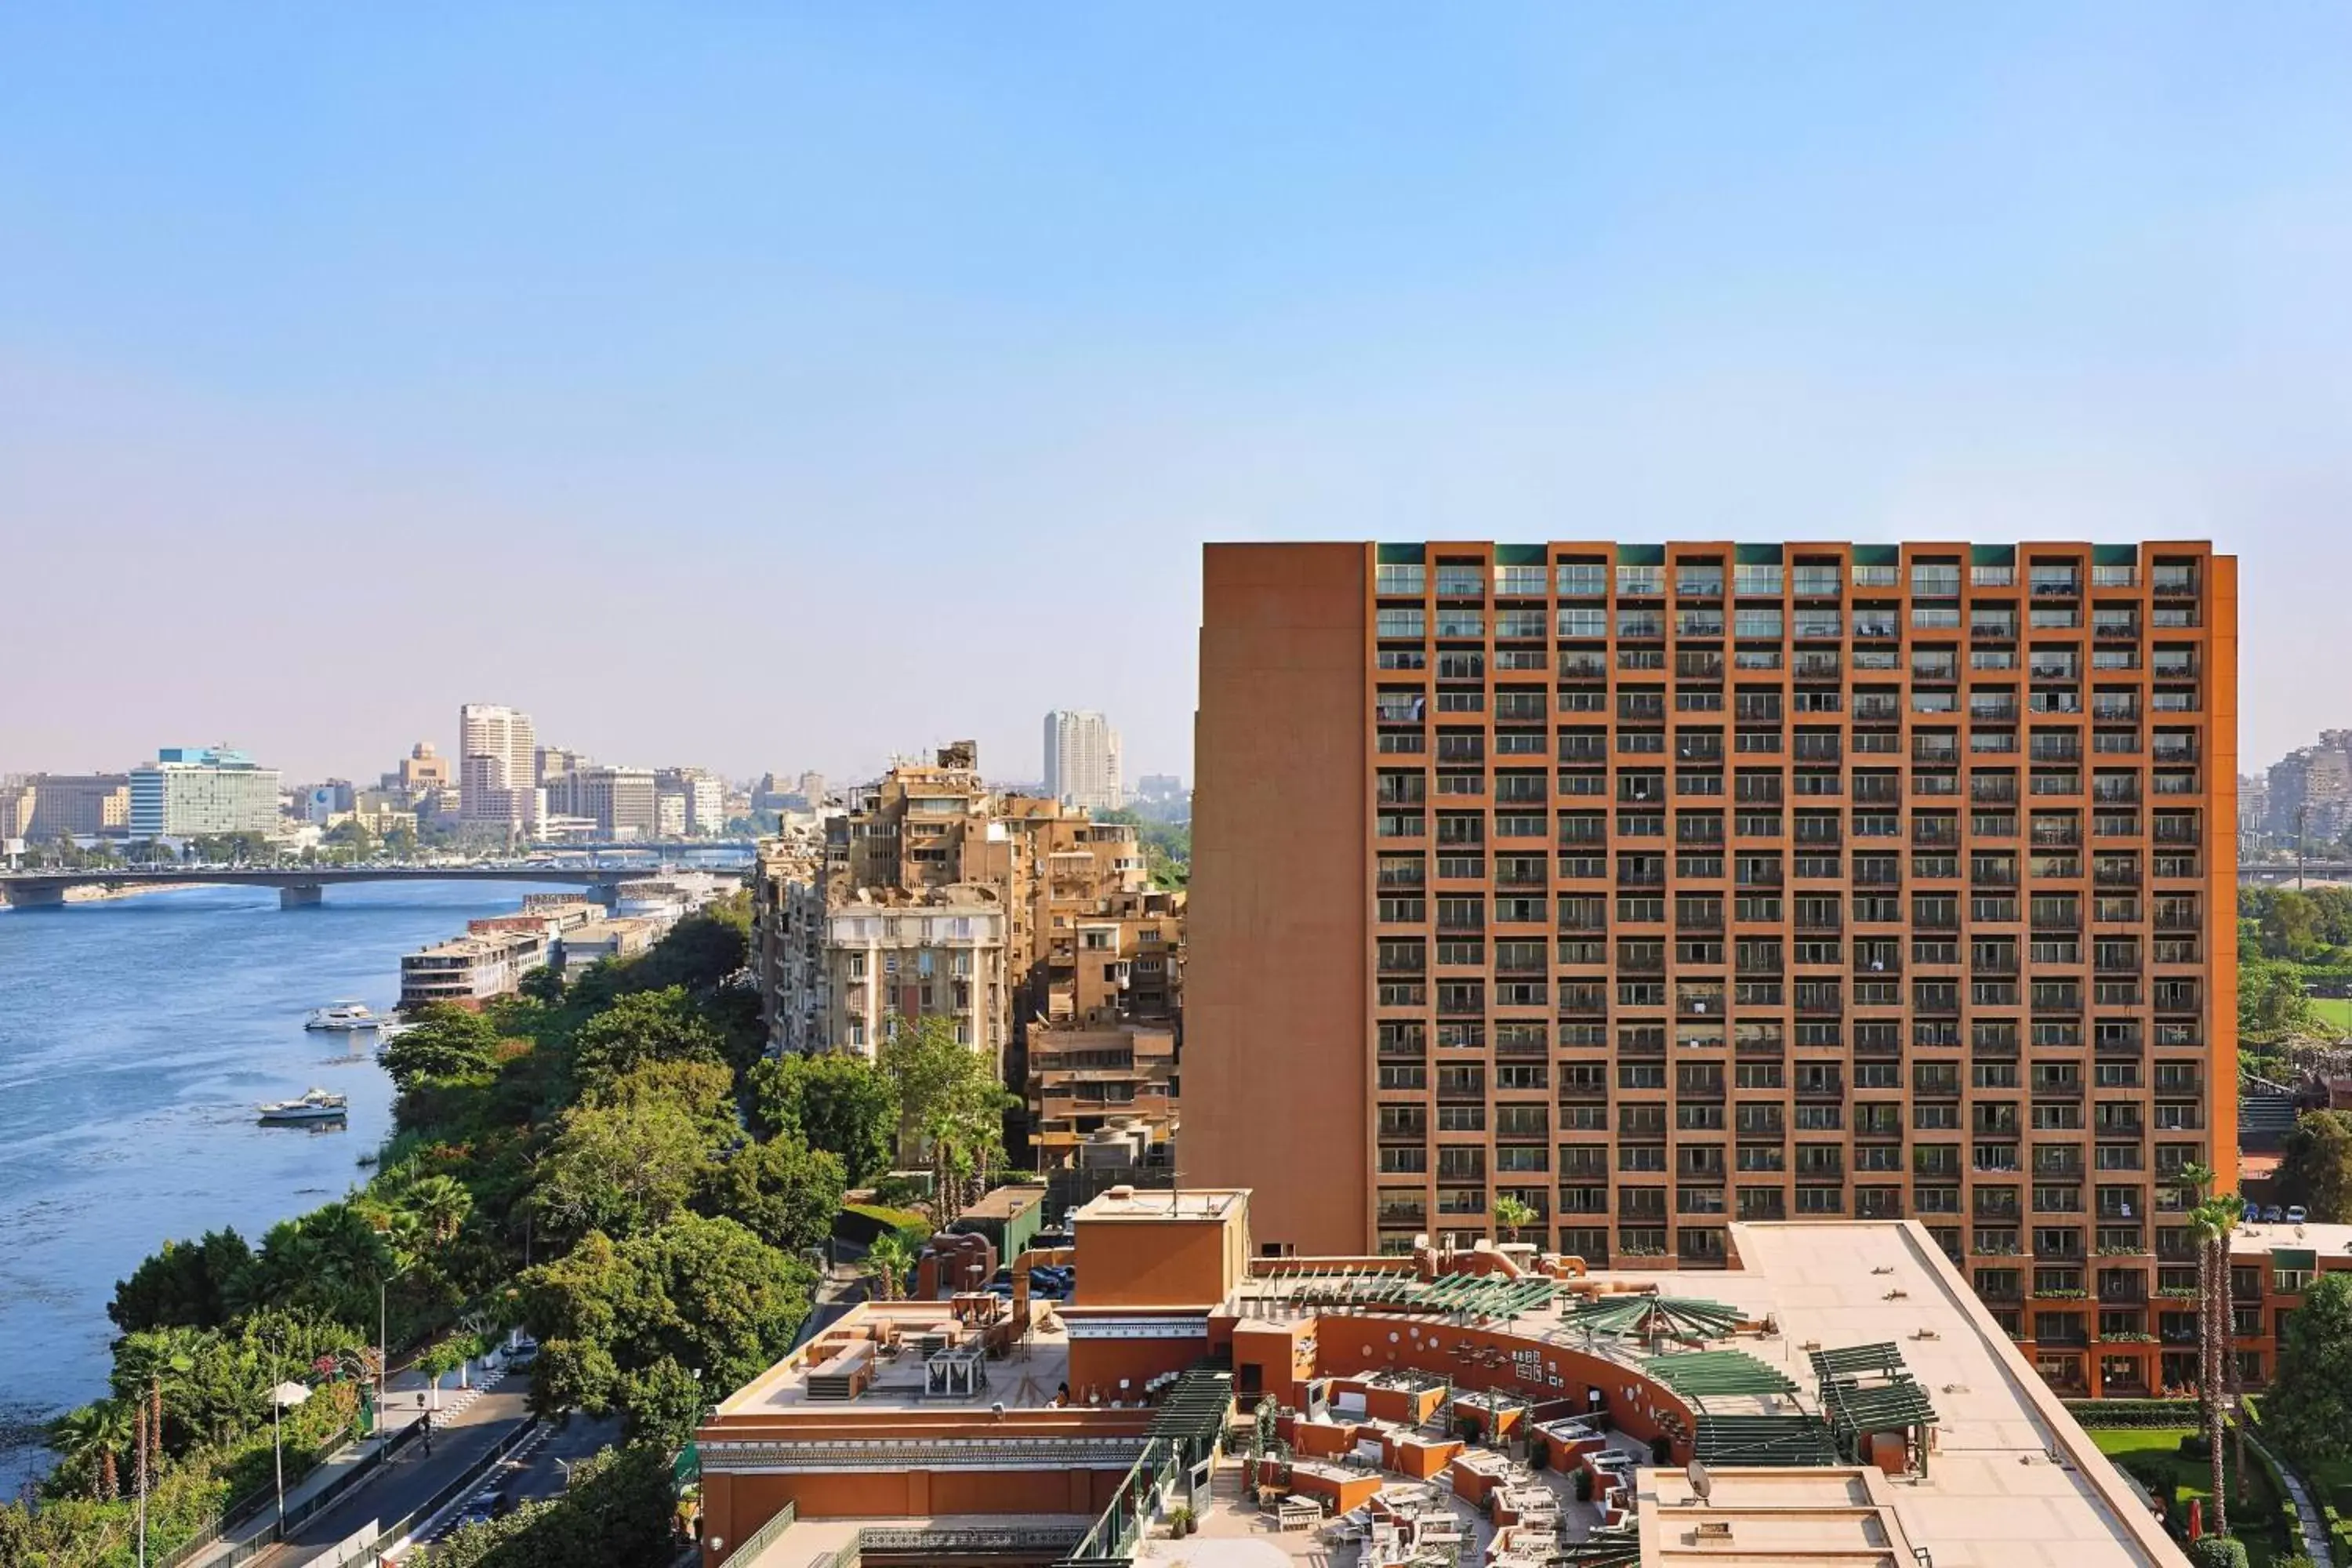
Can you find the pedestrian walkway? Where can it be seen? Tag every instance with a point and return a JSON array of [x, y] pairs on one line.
[[2308, 1520]]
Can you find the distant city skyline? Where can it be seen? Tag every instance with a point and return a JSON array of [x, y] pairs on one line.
[[729, 357]]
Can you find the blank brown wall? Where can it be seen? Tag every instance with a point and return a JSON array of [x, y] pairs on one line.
[[1275, 1039]]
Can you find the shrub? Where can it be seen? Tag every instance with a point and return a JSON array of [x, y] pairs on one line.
[[2218, 1552], [864, 1222], [897, 1192], [2194, 1446], [1583, 1485], [2134, 1411]]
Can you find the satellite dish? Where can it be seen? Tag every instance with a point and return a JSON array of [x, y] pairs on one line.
[[1700, 1481]]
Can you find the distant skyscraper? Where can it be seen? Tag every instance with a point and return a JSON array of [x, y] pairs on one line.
[[1082, 766], [497, 774]]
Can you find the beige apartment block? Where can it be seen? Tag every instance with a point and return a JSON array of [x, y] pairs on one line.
[[891, 958], [70, 804], [1086, 1080]]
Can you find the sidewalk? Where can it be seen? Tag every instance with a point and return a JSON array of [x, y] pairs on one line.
[[2308, 1520], [407, 1398]]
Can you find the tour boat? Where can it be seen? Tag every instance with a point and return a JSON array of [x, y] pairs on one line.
[[342, 1016], [316, 1105]]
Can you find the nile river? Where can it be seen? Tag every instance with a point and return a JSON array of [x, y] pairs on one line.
[[136, 1036]]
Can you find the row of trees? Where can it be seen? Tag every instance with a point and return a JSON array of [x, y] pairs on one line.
[[2297, 925], [554, 1160]]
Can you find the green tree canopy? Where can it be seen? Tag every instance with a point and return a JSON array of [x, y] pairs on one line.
[[327, 1261], [620, 1169], [184, 1285], [837, 1102], [784, 1192], [447, 1042], [2309, 1406], [2271, 1002], [703, 950], [700, 1292], [616, 1513], [2316, 1165], [951, 1105], [641, 1027]]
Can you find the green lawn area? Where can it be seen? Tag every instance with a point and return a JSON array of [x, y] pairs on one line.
[[2336, 1011], [2152, 1455]]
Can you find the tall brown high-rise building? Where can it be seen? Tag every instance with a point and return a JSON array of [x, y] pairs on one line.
[[1630, 889]]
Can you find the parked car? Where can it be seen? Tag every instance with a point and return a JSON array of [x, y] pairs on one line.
[[2270, 1216], [2297, 1215]]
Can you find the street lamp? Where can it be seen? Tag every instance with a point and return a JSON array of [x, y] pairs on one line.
[[282, 1398]]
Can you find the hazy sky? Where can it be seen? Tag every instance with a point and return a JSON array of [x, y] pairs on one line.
[[777, 386]]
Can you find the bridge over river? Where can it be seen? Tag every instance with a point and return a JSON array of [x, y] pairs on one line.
[[298, 886]]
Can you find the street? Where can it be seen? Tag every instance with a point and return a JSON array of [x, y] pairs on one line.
[[412, 1478]]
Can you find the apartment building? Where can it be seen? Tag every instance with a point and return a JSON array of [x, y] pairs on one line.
[[67, 805], [895, 957], [621, 803], [1084, 1080], [701, 802], [788, 942], [920, 825], [1656, 887], [193, 790]]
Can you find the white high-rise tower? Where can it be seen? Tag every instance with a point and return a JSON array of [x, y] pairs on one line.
[[1082, 761], [498, 765]]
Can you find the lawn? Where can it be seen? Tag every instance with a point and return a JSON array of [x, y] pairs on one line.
[[2152, 1454], [2334, 1011]]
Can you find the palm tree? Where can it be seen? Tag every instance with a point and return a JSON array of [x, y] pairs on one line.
[[442, 1203], [2210, 1223], [2192, 1179], [887, 1260], [1513, 1214], [95, 1436]]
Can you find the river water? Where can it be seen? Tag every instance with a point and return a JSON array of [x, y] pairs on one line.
[[136, 1036]]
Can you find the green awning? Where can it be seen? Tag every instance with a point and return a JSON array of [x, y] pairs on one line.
[[1655, 1317], [2302, 1257], [1791, 1440], [1700, 1374]]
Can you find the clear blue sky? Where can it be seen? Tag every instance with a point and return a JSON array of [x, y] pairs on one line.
[[774, 385]]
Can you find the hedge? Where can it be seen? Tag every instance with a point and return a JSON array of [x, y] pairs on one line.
[[2135, 1412], [2339, 1531], [864, 1222]]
